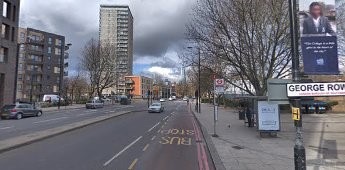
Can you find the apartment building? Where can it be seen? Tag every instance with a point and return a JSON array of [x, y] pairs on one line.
[[116, 29], [41, 56], [8, 50], [138, 86]]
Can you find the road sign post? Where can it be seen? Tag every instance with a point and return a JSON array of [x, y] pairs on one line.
[[218, 87]]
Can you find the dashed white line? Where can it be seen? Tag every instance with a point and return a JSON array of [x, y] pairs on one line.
[[49, 120], [166, 118], [153, 127], [123, 150], [4, 128], [85, 114]]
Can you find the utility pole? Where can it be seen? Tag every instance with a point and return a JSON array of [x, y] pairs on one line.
[[299, 150]]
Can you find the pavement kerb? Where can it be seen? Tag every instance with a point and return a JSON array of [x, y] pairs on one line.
[[210, 146], [16, 142]]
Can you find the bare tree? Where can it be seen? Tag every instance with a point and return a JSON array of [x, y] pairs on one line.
[[100, 62], [245, 42]]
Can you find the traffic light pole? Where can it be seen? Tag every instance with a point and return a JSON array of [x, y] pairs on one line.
[[299, 150]]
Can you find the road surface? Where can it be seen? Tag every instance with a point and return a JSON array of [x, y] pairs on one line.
[[167, 141]]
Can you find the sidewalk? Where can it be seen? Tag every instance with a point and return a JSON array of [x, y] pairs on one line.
[[74, 106], [241, 148]]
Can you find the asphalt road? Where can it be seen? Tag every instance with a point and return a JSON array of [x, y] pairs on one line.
[[12, 128], [139, 140]]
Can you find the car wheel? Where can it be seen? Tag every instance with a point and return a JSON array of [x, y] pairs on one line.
[[19, 116], [39, 114]]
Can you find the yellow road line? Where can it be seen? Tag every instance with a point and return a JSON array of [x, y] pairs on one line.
[[146, 147], [132, 164]]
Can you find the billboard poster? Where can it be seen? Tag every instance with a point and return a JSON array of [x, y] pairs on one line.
[[318, 37], [268, 116]]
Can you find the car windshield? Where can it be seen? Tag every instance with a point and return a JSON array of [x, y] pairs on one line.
[[156, 104]]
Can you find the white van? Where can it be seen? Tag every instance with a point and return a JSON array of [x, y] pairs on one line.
[[52, 98]]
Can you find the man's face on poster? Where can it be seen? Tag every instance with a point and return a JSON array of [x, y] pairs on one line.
[[316, 11]]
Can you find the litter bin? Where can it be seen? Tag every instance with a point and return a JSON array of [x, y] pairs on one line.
[[241, 115]]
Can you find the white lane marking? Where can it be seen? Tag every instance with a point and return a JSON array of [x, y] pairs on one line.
[[172, 113], [153, 127], [49, 120], [123, 150], [166, 118], [85, 114], [4, 128]]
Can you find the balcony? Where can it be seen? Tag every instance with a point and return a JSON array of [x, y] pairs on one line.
[[35, 52], [35, 42], [34, 72], [34, 82], [34, 62], [65, 73], [66, 55], [129, 88], [129, 82]]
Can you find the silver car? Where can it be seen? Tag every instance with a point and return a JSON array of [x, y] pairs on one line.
[[156, 108], [94, 104], [19, 110]]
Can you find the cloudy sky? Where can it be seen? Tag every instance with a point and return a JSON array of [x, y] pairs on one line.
[[158, 27]]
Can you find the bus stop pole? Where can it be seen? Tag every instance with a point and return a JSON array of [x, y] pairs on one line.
[[299, 150]]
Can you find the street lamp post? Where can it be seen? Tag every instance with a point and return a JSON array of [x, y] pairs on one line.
[[198, 102], [62, 71], [299, 150]]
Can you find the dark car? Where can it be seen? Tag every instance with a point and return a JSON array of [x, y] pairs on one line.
[[18, 111], [125, 101]]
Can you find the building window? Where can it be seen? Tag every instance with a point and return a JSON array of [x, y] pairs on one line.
[[49, 50], [14, 13], [49, 58], [50, 40], [5, 31], [20, 87], [57, 51], [20, 77], [22, 36], [48, 77], [58, 42], [13, 38], [20, 67], [56, 70], [3, 54], [48, 67], [35, 47], [6, 9]]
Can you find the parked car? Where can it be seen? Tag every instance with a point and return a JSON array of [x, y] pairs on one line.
[[94, 104], [52, 98], [19, 110], [185, 98], [125, 101], [162, 100], [156, 108], [171, 99]]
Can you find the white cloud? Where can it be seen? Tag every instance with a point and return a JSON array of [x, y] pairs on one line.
[[166, 72]]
